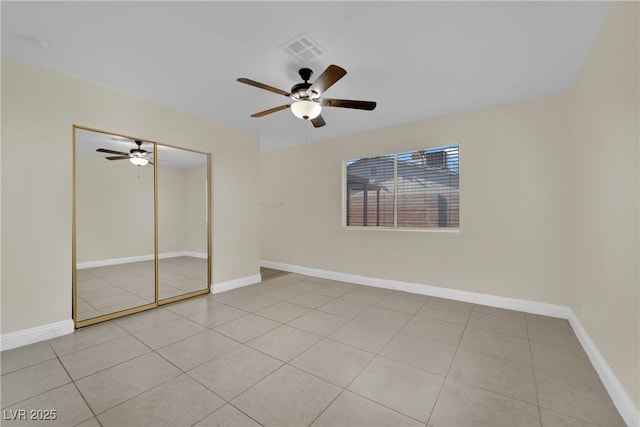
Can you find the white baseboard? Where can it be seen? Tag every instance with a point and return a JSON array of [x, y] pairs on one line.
[[114, 261], [618, 394], [235, 283], [434, 291], [33, 335], [139, 258], [53, 330], [201, 255]]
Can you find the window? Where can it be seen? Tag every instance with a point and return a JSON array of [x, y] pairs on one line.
[[370, 191], [415, 189]]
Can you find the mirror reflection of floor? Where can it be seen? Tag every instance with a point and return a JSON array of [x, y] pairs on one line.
[[103, 290]]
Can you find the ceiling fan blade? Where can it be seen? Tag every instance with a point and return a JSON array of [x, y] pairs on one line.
[[318, 122], [347, 103], [263, 86], [104, 150], [332, 74], [270, 110], [117, 157]]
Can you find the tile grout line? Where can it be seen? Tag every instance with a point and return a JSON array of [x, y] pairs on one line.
[[375, 355], [31, 366], [139, 394], [241, 411], [287, 363], [79, 392], [240, 344], [493, 355], [112, 366], [352, 346], [72, 381], [533, 371], [352, 380], [326, 407], [118, 364], [150, 327], [384, 406], [466, 328], [498, 357], [362, 370], [39, 394], [295, 367], [91, 346], [446, 376], [220, 324]]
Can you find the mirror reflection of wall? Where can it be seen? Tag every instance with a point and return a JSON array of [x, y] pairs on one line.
[[115, 267], [182, 222]]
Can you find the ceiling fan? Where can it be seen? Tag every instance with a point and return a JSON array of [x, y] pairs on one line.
[[137, 156], [307, 97]]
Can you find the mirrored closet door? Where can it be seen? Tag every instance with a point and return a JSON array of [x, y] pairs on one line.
[[141, 225], [183, 214]]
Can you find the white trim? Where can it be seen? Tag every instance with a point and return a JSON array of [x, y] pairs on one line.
[[345, 194], [618, 394], [395, 191], [412, 229], [228, 285], [33, 335], [53, 330], [113, 261], [127, 260], [435, 291], [201, 255]]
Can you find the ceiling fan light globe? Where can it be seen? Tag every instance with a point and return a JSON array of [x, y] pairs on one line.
[[139, 161], [306, 110]]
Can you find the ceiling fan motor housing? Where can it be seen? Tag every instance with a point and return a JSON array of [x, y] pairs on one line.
[[305, 73], [299, 91], [139, 149]]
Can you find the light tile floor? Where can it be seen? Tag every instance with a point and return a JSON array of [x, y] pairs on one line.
[[108, 289], [299, 351]]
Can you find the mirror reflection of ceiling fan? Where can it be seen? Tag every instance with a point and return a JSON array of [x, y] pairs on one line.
[[138, 156], [307, 97]]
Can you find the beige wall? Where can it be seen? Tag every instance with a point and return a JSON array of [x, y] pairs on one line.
[[508, 242], [38, 110], [171, 209], [548, 201], [603, 215], [195, 212], [182, 209]]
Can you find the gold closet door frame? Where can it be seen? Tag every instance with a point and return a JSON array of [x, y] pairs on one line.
[[208, 216], [156, 303]]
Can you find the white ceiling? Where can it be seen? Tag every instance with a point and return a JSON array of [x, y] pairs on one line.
[[416, 59]]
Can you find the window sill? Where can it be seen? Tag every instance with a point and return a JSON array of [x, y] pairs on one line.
[[404, 229]]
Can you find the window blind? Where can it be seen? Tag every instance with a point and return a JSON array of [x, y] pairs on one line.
[[414, 189], [370, 191], [428, 188]]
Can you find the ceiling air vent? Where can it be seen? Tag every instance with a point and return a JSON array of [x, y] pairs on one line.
[[302, 47]]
